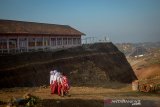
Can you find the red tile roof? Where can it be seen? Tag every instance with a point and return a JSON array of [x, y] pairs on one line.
[[12, 26]]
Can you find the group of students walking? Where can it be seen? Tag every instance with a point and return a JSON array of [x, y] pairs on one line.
[[59, 83]]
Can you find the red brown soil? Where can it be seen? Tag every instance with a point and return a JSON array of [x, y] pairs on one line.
[[148, 72]]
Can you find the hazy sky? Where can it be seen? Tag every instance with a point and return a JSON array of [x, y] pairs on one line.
[[120, 20]]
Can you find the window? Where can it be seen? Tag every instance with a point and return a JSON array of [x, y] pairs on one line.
[[46, 41], [39, 41], [31, 42], [12, 43], [70, 41], [59, 41], [74, 41], [53, 41], [3, 43], [64, 41], [22, 42], [79, 40]]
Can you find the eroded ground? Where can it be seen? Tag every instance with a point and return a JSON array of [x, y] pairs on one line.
[[83, 96]]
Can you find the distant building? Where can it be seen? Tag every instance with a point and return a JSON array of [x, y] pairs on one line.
[[138, 52], [20, 36]]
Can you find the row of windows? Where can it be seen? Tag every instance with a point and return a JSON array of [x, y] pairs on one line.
[[13, 43], [65, 41]]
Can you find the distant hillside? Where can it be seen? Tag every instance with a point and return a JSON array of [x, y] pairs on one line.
[[129, 48], [147, 66], [94, 64], [138, 51]]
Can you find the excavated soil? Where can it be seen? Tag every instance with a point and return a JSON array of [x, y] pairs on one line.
[[87, 65]]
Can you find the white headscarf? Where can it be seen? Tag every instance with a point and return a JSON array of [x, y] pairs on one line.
[[51, 72], [55, 71]]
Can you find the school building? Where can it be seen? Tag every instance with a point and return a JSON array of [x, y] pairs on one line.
[[20, 36]]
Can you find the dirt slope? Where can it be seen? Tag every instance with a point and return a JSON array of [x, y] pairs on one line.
[[146, 67], [94, 64], [84, 96], [148, 72]]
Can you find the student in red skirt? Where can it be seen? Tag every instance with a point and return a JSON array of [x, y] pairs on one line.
[[63, 85], [53, 81]]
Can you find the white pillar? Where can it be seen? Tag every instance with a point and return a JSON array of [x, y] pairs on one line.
[[80, 41], [18, 44], [43, 42], [56, 42], [50, 42], [72, 41], [27, 43], [35, 44], [77, 41], [62, 42], [8, 45], [67, 42]]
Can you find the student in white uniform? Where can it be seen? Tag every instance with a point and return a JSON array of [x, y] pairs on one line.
[[51, 76], [54, 84]]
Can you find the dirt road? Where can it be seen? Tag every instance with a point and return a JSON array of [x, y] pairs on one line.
[[84, 96]]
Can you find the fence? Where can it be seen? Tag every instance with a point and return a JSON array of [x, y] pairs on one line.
[[91, 40]]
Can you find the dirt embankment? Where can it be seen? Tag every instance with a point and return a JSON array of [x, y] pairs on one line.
[[149, 72], [85, 65], [146, 67]]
